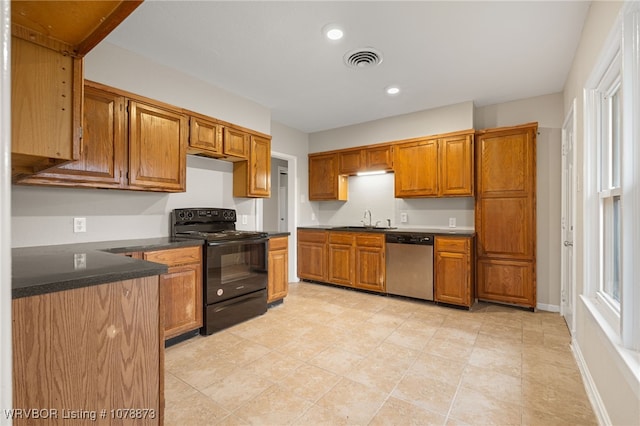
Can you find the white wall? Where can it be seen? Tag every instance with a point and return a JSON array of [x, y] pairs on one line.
[[444, 119], [547, 111], [614, 386]]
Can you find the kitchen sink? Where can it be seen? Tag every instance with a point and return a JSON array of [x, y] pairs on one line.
[[363, 228]]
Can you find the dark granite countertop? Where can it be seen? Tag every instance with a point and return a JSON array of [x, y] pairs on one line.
[[47, 269], [433, 231], [274, 234]]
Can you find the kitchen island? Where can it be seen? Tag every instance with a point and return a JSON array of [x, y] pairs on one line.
[[88, 333]]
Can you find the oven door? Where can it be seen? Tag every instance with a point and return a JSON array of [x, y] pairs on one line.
[[235, 268]]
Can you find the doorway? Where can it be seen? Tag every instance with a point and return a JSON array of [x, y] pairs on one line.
[[568, 285], [283, 197]]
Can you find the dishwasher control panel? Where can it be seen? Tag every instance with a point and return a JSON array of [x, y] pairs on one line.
[[422, 239]]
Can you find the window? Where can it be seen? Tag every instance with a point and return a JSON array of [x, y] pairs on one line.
[[608, 141], [612, 182]]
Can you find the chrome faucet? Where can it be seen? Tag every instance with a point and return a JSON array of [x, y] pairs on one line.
[[364, 221]]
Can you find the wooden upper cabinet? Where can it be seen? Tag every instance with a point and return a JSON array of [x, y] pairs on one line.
[[440, 166], [76, 26], [49, 40], [252, 178], [157, 147], [205, 137], [365, 159], [416, 169], [378, 158], [46, 106], [456, 165], [103, 150], [236, 144], [324, 181], [351, 162]]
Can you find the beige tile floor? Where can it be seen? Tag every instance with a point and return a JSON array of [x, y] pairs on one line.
[[332, 356]]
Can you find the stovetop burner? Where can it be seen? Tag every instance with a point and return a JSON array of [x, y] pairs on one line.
[[221, 235], [209, 224]]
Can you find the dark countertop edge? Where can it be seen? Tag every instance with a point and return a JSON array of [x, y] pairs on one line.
[[276, 234], [119, 267], [143, 269], [442, 232]]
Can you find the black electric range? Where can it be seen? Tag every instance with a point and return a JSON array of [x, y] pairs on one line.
[[234, 265]]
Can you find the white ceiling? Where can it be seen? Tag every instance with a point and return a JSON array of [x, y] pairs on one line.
[[438, 53]]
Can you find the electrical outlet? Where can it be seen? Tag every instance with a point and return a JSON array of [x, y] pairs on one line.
[[452, 222], [79, 261], [404, 218], [313, 216], [244, 219], [79, 224]]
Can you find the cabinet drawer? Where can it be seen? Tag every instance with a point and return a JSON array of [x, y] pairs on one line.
[[172, 257], [370, 240], [460, 245], [279, 243], [340, 238], [312, 236]]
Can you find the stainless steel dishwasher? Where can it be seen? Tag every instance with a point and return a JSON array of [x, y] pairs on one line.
[[410, 265]]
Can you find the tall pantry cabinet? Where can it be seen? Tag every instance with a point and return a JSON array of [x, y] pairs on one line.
[[505, 214]]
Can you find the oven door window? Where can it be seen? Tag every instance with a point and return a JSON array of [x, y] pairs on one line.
[[235, 269]]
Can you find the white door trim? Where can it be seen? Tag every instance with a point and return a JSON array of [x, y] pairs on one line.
[[292, 203]]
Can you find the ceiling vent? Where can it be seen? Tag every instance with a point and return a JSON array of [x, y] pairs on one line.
[[363, 58]]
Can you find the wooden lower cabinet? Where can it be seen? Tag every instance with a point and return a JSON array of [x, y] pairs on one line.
[[370, 262], [181, 288], [454, 283], [345, 258], [90, 349], [341, 258], [278, 265], [312, 255]]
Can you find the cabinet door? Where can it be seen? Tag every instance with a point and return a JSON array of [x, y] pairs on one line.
[[205, 137], [416, 169], [312, 255], [505, 214], [103, 146], [157, 148], [278, 286], [324, 181], [452, 271], [260, 170], [456, 166], [236, 144], [46, 105], [350, 162], [181, 290], [341, 264], [378, 158], [370, 268]]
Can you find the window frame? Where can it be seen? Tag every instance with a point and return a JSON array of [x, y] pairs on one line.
[[624, 318]]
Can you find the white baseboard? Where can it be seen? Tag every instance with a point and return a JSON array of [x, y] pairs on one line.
[[590, 386], [548, 308]]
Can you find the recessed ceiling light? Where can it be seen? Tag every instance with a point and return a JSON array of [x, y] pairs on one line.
[[332, 32], [392, 90]]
